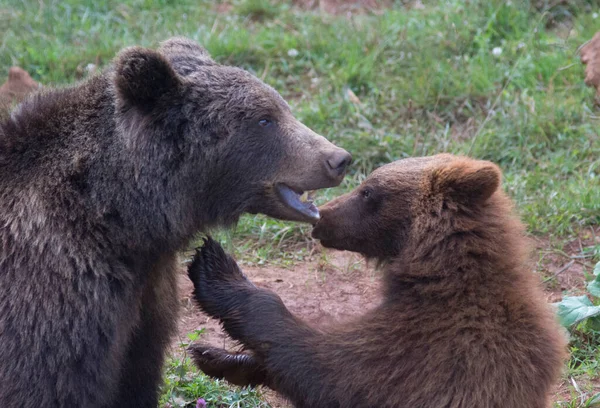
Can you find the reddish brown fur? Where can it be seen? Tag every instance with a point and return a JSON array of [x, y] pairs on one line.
[[18, 85], [463, 324]]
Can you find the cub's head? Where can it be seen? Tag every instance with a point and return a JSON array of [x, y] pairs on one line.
[[232, 138], [425, 195]]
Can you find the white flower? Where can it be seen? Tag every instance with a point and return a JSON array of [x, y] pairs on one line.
[[497, 51], [293, 53], [595, 16], [520, 45], [90, 68]]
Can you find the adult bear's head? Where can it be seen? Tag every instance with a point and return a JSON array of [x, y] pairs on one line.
[[226, 136]]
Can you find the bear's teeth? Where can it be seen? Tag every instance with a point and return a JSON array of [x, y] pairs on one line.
[[307, 196], [300, 203]]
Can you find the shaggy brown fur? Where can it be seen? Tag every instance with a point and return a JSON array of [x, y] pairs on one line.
[[463, 322], [18, 85], [101, 184]]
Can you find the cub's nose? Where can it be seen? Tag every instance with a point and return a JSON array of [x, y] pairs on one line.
[[337, 163]]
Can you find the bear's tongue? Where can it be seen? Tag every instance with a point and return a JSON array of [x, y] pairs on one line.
[[294, 201]]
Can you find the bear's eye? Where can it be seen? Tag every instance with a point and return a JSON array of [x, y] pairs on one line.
[[366, 193], [264, 123]]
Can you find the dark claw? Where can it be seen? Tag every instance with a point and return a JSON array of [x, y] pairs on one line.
[[212, 263], [241, 369]]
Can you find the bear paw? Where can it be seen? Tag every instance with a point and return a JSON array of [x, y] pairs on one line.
[[241, 369]]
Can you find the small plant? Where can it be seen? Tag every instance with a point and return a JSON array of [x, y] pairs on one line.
[[581, 400], [581, 316], [573, 310], [186, 387]]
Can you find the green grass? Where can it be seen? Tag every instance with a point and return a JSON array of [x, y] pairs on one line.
[[184, 385], [428, 80]]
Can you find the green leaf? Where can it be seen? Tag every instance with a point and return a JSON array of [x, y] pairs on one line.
[[195, 335], [574, 309], [593, 323], [594, 401], [594, 287]]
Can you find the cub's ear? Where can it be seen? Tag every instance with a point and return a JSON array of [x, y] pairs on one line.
[[466, 180], [143, 76]]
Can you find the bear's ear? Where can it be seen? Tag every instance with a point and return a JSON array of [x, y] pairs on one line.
[[466, 180], [143, 76], [178, 47]]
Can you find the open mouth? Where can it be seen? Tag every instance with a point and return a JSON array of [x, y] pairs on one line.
[[299, 201]]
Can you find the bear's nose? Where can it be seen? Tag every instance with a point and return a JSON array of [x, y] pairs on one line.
[[337, 163]]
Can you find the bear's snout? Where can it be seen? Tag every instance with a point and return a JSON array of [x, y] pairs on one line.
[[319, 231], [332, 219], [337, 163], [325, 228]]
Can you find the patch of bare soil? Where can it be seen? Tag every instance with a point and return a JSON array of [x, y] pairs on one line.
[[562, 266], [333, 286], [223, 8], [326, 289], [18, 85], [344, 6], [339, 7]]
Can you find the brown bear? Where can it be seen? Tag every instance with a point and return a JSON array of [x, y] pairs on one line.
[[101, 184], [18, 85], [463, 322]]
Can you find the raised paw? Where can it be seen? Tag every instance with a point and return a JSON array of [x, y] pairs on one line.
[[241, 369], [219, 284], [212, 263]]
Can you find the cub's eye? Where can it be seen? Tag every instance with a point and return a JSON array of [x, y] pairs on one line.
[[366, 193], [264, 123]]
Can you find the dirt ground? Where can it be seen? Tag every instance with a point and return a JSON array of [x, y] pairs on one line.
[[338, 7], [319, 291], [333, 286], [336, 286]]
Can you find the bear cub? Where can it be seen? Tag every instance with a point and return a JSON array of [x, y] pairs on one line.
[[463, 322]]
